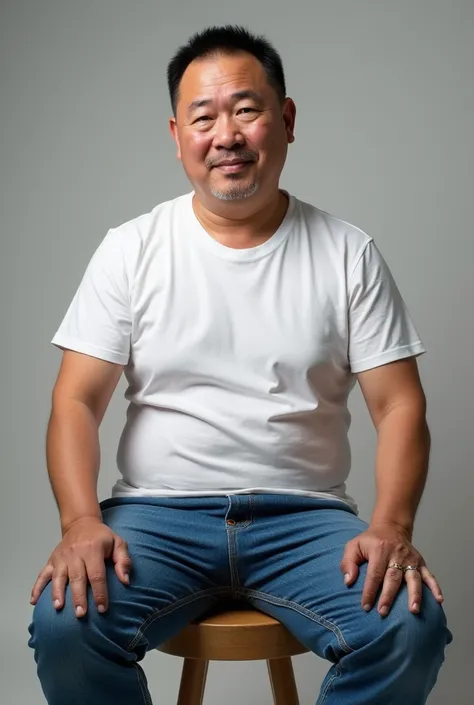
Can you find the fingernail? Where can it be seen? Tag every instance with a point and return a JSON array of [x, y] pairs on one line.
[[101, 609], [384, 611], [79, 611], [367, 607], [440, 597], [32, 600], [347, 577], [57, 604], [127, 578], [415, 607]]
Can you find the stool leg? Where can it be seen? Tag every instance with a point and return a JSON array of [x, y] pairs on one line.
[[282, 680], [193, 680]]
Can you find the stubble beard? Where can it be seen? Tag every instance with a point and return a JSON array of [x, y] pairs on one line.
[[236, 192]]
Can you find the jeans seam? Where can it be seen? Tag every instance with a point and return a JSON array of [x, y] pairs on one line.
[[144, 690], [209, 592], [322, 621], [234, 573], [329, 683]]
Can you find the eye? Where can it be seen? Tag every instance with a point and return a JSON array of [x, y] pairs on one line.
[[247, 110], [202, 118]]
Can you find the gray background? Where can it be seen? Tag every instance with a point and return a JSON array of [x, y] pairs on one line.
[[384, 138]]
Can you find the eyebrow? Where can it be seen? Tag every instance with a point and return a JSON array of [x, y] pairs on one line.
[[235, 97]]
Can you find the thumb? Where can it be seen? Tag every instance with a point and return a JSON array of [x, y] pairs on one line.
[[122, 560], [351, 561]]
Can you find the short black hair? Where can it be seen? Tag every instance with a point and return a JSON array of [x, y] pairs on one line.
[[229, 39]]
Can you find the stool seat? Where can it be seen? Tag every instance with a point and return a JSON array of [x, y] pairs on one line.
[[235, 633]]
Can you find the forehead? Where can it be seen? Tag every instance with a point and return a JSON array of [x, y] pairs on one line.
[[220, 76]]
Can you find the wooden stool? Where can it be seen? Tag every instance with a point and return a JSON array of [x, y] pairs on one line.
[[235, 634]]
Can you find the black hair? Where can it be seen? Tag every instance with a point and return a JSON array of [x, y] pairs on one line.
[[229, 39]]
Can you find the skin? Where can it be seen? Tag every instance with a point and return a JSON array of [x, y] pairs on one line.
[[239, 209], [242, 117]]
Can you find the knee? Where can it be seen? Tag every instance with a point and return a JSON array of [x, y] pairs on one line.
[[54, 633], [421, 638], [406, 639]]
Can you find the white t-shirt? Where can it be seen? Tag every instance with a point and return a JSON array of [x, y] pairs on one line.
[[239, 361]]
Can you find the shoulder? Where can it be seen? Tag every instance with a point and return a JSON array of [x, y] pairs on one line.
[[330, 231], [130, 239], [144, 226]]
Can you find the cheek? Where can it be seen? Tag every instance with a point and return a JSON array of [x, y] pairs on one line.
[[196, 147], [266, 138], [257, 134]]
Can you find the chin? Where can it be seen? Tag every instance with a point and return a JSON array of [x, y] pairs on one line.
[[235, 192]]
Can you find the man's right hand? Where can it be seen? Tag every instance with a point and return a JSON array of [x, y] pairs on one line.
[[80, 559]]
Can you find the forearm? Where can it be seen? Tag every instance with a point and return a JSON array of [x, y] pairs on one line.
[[401, 466], [73, 458]]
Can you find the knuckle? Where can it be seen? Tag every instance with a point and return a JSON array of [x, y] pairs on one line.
[[76, 578], [75, 547], [60, 571], [376, 575], [96, 578], [80, 599], [83, 546], [100, 598]]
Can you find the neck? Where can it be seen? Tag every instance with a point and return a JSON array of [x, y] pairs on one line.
[[248, 231]]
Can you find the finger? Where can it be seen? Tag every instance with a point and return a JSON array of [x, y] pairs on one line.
[[373, 580], [41, 581], [414, 582], [432, 583], [391, 585], [78, 585], [95, 568], [122, 560], [351, 561], [59, 585]]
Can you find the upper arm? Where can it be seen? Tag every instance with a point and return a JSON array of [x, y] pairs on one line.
[[86, 379], [388, 386], [380, 326], [98, 321]]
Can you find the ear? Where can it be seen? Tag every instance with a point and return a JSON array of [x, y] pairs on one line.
[[289, 116], [174, 133]]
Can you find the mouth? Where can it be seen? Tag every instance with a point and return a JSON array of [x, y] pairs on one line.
[[232, 166]]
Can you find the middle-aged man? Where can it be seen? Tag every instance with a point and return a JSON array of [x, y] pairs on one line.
[[242, 318]]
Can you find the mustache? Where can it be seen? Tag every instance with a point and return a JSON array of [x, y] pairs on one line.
[[243, 155]]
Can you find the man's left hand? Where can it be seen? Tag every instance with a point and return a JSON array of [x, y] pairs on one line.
[[382, 546]]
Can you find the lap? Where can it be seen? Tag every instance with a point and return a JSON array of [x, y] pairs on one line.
[[298, 579], [178, 571]]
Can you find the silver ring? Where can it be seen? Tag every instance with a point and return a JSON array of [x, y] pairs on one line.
[[398, 566], [411, 567]]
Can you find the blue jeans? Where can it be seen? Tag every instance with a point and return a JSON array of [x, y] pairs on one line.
[[280, 553]]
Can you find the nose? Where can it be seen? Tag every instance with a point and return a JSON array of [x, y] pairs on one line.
[[227, 134]]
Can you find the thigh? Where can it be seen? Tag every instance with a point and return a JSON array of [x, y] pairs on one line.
[[293, 572], [179, 569]]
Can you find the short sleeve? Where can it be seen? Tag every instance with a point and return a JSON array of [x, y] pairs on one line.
[[98, 321], [380, 326]]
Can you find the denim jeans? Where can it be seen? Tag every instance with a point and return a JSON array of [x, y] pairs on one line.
[[281, 554]]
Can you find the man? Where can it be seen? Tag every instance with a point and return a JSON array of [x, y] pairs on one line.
[[242, 318]]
